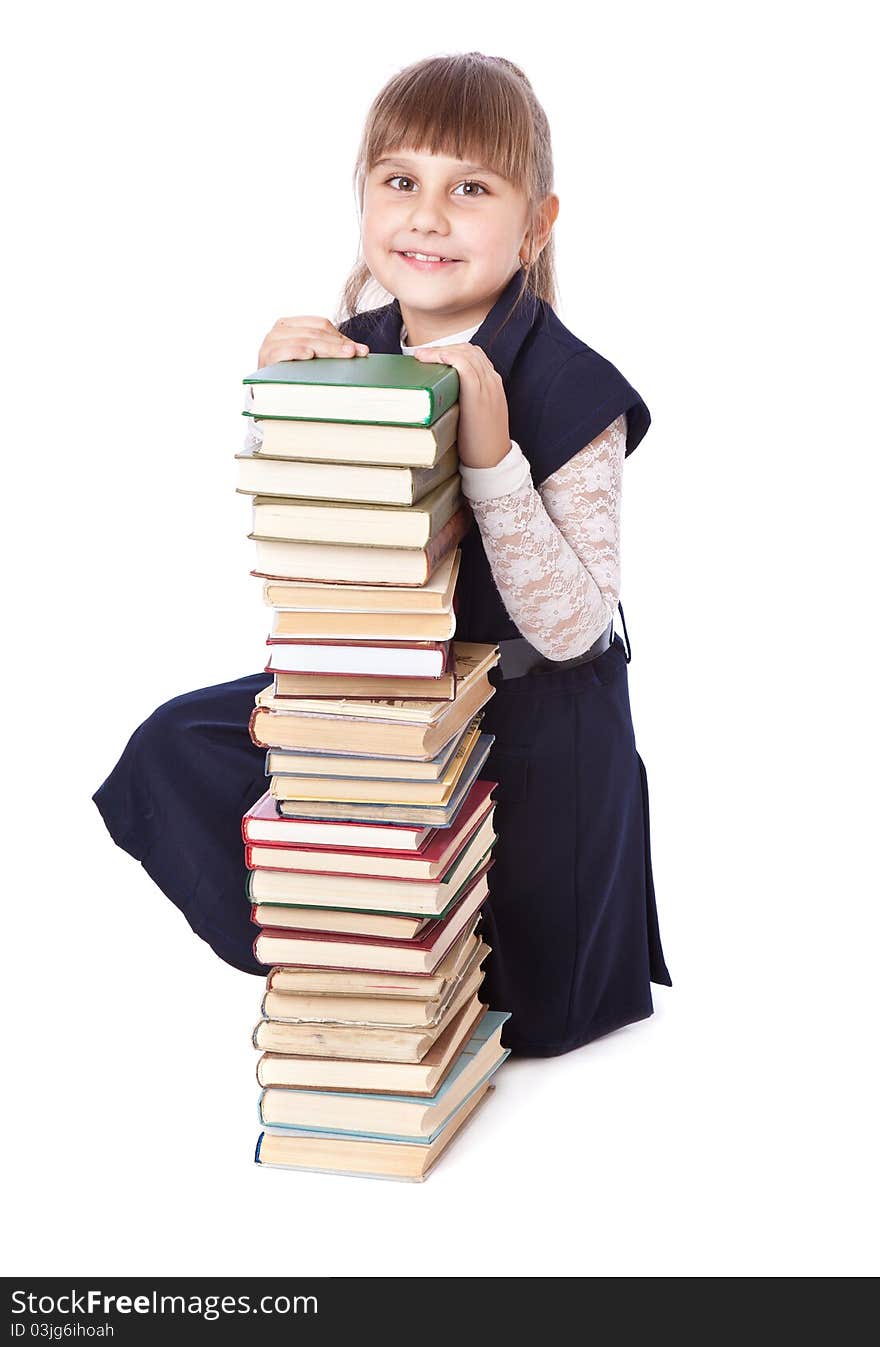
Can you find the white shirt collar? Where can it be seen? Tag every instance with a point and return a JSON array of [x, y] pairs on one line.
[[454, 337]]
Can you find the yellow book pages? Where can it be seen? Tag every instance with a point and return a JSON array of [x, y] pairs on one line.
[[364, 791]]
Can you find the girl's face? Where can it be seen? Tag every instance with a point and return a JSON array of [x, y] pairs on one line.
[[440, 207]]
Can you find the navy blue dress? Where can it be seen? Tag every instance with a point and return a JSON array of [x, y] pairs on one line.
[[572, 917]]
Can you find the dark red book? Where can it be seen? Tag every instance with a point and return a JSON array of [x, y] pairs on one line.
[[430, 862], [314, 949], [358, 659]]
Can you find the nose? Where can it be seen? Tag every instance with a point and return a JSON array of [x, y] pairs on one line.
[[427, 212]]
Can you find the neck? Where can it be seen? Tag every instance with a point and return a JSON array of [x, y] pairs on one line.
[[424, 325]]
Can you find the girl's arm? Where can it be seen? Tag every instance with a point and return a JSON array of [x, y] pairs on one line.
[[555, 550]]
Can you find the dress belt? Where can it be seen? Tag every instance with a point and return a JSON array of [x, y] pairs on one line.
[[518, 657]]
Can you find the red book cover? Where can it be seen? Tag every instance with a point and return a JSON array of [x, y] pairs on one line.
[[426, 940], [443, 648], [446, 841]]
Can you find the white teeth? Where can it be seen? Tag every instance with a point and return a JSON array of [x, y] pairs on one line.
[[424, 257]]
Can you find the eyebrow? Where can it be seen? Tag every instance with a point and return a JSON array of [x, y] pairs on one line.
[[461, 168]]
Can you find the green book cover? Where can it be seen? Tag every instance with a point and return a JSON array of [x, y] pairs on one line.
[[389, 373]]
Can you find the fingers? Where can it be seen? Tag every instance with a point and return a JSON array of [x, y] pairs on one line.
[[470, 361], [304, 338]]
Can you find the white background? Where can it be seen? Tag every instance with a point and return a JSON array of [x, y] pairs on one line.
[[179, 176]]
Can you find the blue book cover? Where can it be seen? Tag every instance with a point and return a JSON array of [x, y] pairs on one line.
[[429, 816], [282, 1130], [487, 1026]]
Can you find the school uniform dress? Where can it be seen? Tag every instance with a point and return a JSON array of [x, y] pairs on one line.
[[571, 917]]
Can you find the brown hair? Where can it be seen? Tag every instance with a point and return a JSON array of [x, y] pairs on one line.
[[468, 106]]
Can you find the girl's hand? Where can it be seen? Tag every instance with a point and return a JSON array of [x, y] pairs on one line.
[[303, 338], [483, 431]]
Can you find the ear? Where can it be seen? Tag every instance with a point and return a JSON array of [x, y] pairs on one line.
[[536, 240]]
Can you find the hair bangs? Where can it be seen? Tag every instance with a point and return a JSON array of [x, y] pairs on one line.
[[473, 113]]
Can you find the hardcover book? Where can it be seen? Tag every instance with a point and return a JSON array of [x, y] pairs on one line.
[[412, 1078], [368, 1042], [380, 659], [383, 790], [333, 441], [261, 474], [365, 1156], [433, 815], [279, 519], [356, 1008], [433, 597], [289, 762], [304, 980], [422, 955], [379, 626], [376, 389], [292, 894], [397, 567], [392, 1116]]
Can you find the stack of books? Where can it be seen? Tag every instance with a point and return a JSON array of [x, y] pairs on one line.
[[368, 855]]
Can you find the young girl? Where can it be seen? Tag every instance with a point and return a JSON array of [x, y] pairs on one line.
[[454, 180]]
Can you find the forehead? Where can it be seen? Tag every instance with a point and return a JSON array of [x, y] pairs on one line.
[[420, 159]]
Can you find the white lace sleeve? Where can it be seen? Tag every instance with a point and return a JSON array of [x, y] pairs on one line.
[[555, 551]]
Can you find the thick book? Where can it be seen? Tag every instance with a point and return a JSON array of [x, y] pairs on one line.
[[346, 920], [387, 526], [263, 830], [433, 815], [333, 442], [308, 874], [380, 659], [340, 982], [259, 474], [379, 923], [367, 1042], [394, 567], [383, 924], [392, 1116], [414, 1078], [432, 598], [421, 955], [383, 790], [391, 728], [361, 849], [295, 892], [289, 762], [376, 389], [335, 626], [365, 1156], [332, 1008], [336, 835], [377, 687]]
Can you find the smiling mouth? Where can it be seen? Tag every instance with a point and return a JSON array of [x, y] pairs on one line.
[[427, 259]]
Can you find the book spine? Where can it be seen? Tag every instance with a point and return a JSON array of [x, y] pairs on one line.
[[449, 537], [252, 721], [443, 394]]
